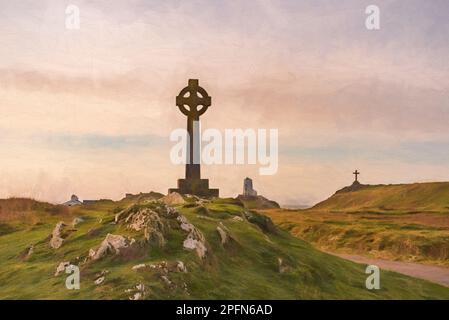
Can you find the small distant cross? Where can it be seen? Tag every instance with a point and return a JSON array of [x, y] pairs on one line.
[[356, 173]]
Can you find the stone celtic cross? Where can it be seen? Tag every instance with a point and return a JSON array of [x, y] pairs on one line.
[[189, 101], [193, 101], [192, 97]]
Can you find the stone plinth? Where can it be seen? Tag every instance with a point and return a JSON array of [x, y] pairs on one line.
[[198, 187]]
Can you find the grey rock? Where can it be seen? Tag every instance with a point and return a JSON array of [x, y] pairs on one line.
[[173, 199], [111, 244], [146, 220], [195, 239], [56, 236]]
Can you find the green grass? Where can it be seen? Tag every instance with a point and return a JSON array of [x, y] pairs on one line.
[[402, 222], [245, 268], [392, 199], [408, 237]]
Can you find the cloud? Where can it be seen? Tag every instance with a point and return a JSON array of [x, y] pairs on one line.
[[341, 96]]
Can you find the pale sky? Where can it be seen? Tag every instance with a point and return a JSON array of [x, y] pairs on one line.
[[90, 111]]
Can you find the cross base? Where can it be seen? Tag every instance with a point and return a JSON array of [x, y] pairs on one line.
[[197, 187]]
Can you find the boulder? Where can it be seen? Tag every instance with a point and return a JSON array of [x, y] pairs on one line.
[[56, 236], [111, 244], [185, 224], [195, 239], [173, 199], [192, 244]]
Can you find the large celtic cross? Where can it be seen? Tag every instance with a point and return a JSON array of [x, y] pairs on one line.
[[191, 97], [193, 101]]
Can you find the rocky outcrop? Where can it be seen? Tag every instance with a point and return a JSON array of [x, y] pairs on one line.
[[149, 221], [173, 199], [155, 220], [263, 222], [195, 239], [195, 243], [56, 236], [112, 244], [258, 202]]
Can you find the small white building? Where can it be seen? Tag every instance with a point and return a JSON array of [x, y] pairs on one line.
[[74, 201]]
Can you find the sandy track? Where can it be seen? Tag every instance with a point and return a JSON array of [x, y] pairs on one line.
[[435, 274]]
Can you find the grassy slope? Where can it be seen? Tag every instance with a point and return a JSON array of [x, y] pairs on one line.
[[247, 268], [402, 222], [417, 197], [409, 237]]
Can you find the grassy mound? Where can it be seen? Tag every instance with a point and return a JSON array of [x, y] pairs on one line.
[[401, 198], [246, 266]]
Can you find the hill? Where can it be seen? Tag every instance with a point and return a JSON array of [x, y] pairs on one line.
[[195, 250], [407, 222], [396, 198], [257, 202]]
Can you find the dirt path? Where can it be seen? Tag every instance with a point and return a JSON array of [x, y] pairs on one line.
[[435, 274]]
